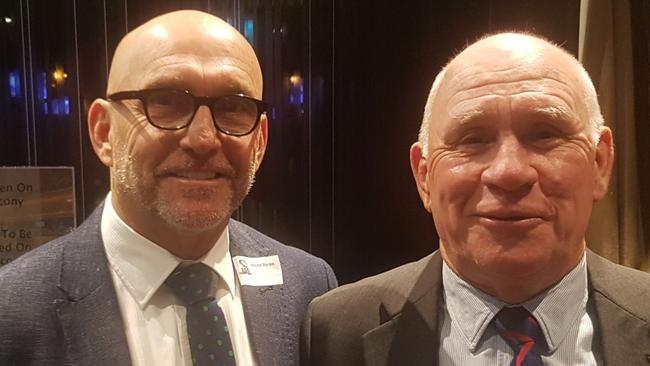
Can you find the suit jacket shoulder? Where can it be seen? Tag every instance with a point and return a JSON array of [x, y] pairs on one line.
[[365, 322], [274, 313], [29, 288], [62, 308], [296, 263], [624, 287], [619, 304]]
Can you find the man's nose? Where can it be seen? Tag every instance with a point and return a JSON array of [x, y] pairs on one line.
[[201, 135], [510, 169]]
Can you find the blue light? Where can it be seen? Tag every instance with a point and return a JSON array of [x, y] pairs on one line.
[[60, 106], [296, 90], [41, 85], [14, 84], [302, 93], [249, 31]]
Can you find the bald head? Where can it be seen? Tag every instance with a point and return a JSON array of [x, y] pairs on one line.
[[200, 38], [493, 58]]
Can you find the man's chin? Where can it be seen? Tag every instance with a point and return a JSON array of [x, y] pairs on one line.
[[192, 218], [199, 210]]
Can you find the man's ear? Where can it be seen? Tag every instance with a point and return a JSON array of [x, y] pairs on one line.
[[99, 126], [420, 173], [261, 140], [603, 162]]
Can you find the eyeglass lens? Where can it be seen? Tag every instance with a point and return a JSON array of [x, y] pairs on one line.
[[175, 109]]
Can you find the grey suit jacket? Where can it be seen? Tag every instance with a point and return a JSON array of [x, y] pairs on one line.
[[392, 318], [58, 305]]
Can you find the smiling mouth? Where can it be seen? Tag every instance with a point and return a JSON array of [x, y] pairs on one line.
[[195, 175], [510, 218], [514, 221]]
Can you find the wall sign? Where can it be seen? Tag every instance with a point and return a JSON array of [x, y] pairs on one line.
[[37, 204]]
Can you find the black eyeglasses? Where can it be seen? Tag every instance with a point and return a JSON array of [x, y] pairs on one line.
[[172, 109]]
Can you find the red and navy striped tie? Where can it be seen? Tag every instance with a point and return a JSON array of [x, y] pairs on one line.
[[522, 332]]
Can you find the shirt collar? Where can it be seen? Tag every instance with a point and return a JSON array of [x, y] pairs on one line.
[[143, 266], [561, 308], [557, 310], [469, 308], [218, 258]]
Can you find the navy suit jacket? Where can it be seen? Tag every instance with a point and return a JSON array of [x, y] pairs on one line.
[[58, 305]]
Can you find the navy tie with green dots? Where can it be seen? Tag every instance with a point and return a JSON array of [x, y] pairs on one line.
[[207, 330]]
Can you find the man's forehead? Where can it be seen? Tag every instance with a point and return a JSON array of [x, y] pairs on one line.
[[194, 38], [491, 59], [536, 78], [522, 64], [190, 21], [189, 30], [519, 81], [189, 72]]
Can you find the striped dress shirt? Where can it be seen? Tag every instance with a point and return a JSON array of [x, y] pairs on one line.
[[467, 338]]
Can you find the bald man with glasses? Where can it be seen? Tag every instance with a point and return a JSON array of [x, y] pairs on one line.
[[159, 274]]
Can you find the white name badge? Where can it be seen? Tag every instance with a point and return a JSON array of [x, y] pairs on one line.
[[258, 271]]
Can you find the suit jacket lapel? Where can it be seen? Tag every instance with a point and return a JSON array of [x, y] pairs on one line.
[[620, 316], [264, 307], [90, 318], [409, 336]]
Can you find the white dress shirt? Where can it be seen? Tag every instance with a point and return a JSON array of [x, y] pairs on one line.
[[154, 320], [466, 337]]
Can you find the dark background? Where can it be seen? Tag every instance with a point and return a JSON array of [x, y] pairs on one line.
[[347, 79]]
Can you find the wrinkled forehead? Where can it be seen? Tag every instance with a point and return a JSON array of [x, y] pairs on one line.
[[165, 49], [521, 68]]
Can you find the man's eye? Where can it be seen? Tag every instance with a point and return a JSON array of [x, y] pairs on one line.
[[232, 106], [473, 140], [546, 135]]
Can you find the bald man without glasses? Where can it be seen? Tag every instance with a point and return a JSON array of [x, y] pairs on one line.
[[183, 131], [511, 156]]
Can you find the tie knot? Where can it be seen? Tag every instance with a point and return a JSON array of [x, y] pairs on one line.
[[515, 315], [192, 283], [517, 320]]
